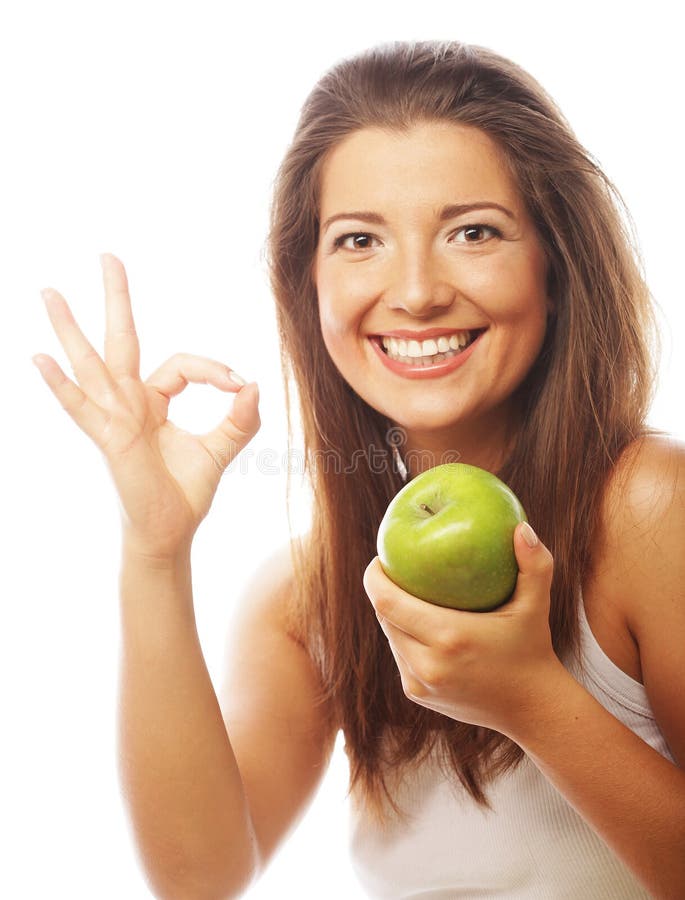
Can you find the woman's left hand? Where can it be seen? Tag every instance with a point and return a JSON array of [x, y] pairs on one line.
[[482, 668]]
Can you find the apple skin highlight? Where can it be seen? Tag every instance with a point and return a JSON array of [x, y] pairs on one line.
[[447, 537]]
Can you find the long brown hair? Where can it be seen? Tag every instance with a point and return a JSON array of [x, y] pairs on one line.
[[584, 401]]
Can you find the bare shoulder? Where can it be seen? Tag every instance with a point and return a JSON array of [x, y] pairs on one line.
[[642, 515], [279, 725], [645, 489], [647, 482], [643, 510], [642, 538]]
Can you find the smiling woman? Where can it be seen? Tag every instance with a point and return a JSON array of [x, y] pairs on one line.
[[453, 280], [475, 288]]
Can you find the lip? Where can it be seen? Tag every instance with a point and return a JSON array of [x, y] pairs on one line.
[[435, 371]]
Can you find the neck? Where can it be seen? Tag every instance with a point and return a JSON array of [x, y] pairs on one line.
[[485, 442]]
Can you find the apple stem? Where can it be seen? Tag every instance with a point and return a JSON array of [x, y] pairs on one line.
[[427, 508]]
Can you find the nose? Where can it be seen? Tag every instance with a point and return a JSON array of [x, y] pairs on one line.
[[419, 287]]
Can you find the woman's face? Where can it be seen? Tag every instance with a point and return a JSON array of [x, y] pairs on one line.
[[430, 275]]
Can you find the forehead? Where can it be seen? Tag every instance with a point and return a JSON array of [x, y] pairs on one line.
[[430, 164]]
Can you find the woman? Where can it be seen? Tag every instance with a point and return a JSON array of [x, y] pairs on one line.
[[452, 273]]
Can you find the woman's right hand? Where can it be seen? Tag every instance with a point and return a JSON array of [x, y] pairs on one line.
[[166, 477]]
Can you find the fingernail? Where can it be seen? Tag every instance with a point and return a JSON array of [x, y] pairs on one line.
[[236, 378], [529, 535]]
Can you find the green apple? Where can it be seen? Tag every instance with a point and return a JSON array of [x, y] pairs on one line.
[[447, 537]]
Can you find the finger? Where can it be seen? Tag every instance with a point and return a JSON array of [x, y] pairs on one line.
[[182, 369], [423, 621], [402, 644], [535, 563], [86, 363], [237, 429], [239, 426], [87, 415], [122, 351], [407, 654]]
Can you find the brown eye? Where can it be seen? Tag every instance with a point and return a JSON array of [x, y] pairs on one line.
[[475, 234], [359, 241]]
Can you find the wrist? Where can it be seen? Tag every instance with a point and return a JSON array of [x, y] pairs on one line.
[[144, 554], [155, 587], [551, 702]]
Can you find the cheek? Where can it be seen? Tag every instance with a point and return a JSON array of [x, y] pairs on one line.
[[343, 303], [522, 291], [337, 330], [332, 322], [523, 325]]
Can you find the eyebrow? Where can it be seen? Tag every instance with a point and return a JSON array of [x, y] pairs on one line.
[[450, 211]]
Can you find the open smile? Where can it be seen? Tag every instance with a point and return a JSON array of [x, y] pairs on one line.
[[427, 358]]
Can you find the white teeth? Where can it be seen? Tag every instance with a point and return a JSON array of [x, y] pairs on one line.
[[428, 352], [395, 347]]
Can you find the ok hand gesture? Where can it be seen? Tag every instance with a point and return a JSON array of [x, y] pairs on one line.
[[166, 478]]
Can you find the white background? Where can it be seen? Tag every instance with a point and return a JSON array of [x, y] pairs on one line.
[[153, 131]]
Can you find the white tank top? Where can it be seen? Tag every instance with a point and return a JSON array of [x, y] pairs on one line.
[[531, 846]]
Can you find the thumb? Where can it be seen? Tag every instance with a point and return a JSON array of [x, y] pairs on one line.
[[237, 429], [534, 561]]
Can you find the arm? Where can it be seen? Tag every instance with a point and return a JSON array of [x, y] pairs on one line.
[[206, 810], [201, 827], [630, 794], [175, 752], [213, 786], [179, 776]]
